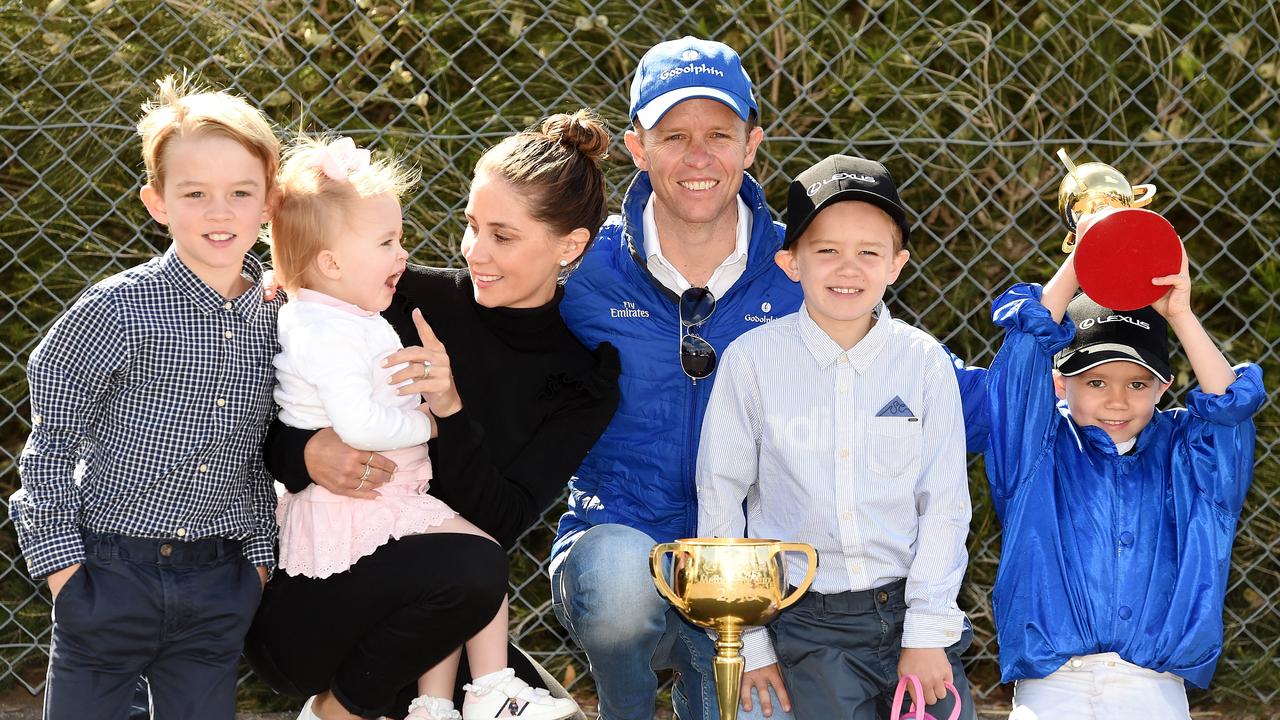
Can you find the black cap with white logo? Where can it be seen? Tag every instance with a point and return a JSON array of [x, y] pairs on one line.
[[1102, 335], [839, 178]]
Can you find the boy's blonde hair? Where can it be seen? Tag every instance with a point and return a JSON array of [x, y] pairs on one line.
[[181, 109], [314, 204]]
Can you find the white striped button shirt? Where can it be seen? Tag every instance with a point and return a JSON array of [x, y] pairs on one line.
[[150, 398], [859, 453]]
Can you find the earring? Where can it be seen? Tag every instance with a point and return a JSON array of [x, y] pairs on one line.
[[564, 263]]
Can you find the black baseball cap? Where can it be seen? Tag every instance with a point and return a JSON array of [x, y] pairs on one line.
[[1103, 335], [839, 178]]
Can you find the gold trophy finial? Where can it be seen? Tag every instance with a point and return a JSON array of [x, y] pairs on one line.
[[729, 584], [1091, 187]]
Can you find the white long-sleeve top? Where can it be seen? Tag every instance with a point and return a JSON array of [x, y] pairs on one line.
[[329, 374], [859, 453]]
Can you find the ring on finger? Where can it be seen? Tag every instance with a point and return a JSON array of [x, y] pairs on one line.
[[361, 485], [364, 477], [426, 369]]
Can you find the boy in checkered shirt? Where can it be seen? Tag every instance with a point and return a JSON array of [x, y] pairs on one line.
[[144, 502]]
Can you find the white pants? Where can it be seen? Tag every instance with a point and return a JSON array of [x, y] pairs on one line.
[[1101, 687]]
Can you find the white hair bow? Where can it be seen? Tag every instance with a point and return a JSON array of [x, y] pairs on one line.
[[340, 158]]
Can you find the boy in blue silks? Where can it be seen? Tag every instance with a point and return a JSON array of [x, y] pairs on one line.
[[1118, 518]]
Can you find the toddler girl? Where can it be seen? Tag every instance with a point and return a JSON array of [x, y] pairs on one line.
[[336, 244]]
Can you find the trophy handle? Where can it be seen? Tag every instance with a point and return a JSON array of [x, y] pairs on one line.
[[660, 578], [803, 587], [1148, 193]]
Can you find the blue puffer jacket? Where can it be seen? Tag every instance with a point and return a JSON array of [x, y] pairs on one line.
[[640, 472]]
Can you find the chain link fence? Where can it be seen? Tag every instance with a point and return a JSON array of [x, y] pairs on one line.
[[965, 101]]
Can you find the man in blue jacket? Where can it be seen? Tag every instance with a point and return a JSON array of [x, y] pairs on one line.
[[685, 269]]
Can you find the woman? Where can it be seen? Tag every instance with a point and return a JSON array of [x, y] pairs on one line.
[[518, 403]]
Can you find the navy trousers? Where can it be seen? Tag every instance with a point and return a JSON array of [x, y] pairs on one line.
[[839, 655], [173, 612]]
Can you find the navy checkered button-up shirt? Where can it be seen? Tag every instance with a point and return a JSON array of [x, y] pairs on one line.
[[150, 398]]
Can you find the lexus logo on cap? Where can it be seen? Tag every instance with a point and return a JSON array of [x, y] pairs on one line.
[[689, 55], [814, 188]]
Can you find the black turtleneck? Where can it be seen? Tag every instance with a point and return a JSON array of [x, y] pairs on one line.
[[534, 401]]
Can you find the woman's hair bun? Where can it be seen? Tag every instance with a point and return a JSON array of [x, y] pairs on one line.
[[582, 131]]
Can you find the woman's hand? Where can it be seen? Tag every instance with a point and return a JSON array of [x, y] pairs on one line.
[[426, 372], [269, 285], [343, 470]]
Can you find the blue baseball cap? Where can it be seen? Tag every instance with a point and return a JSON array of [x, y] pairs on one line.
[[679, 70]]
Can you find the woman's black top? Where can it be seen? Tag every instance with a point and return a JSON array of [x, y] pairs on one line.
[[534, 401]]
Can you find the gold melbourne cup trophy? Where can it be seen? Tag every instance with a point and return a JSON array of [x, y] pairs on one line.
[[1092, 187], [1118, 246], [728, 584]]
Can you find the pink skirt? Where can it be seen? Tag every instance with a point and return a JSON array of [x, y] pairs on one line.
[[322, 533]]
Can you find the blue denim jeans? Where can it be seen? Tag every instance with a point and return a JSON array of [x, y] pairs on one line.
[[603, 595]]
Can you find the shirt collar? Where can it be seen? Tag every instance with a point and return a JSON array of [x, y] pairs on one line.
[[653, 248], [314, 296], [827, 352], [205, 298]]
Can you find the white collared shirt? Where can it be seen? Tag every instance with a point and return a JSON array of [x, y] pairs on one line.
[[724, 276], [859, 453]]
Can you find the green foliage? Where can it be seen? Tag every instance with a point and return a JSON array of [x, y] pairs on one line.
[[966, 104]]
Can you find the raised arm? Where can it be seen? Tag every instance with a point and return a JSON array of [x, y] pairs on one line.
[[1212, 370], [1020, 394]]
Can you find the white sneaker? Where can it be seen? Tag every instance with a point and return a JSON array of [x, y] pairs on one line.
[[426, 707], [507, 696], [306, 713]]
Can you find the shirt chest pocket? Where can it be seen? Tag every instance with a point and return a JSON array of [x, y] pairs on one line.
[[893, 445]]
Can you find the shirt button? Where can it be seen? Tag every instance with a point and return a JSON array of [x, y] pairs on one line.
[[203, 468], [220, 402], [166, 550], [36, 419], [843, 360], [1076, 663], [1125, 612], [1126, 538], [226, 306], [847, 514], [182, 532], [227, 334], [844, 453]]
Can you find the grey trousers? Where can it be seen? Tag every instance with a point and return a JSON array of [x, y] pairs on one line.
[[839, 655]]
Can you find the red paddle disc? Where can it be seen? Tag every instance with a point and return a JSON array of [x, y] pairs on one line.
[[1120, 251]]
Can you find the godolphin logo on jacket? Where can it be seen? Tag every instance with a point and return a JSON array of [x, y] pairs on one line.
[[764, 317]]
